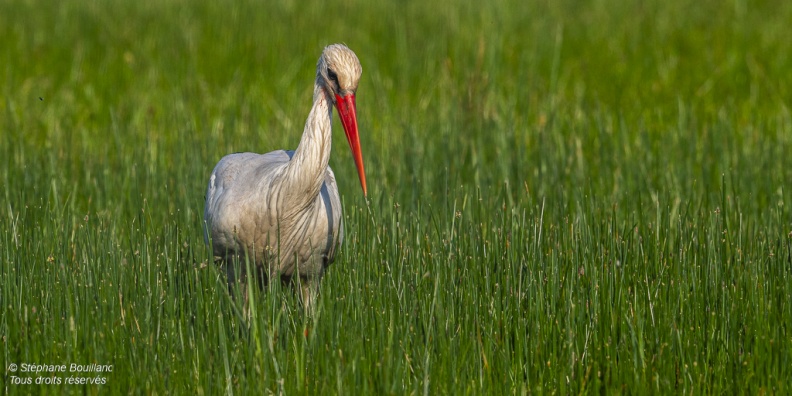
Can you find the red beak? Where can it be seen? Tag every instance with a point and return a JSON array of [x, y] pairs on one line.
[[348, 112]]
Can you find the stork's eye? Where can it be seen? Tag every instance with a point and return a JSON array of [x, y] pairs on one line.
[[332, 76]]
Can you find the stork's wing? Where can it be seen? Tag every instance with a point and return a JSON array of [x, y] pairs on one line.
[[245, 203], [236, 181]]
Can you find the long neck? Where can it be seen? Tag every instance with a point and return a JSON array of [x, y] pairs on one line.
[[307, 168]]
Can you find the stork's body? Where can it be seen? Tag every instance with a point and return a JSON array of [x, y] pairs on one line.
[[282, 209]]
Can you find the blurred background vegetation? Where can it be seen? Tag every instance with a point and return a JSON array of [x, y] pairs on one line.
[[555, 99]]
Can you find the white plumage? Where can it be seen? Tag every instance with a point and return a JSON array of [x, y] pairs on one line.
[[282, 208]]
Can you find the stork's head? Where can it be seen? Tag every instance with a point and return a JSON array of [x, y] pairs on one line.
[[338, 71]]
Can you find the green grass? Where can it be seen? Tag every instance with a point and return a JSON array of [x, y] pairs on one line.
[[565, 197]]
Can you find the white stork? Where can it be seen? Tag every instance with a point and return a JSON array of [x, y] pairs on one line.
[[282, 208]]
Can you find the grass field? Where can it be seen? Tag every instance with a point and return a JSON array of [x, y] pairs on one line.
[[565, 197]]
